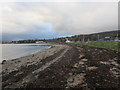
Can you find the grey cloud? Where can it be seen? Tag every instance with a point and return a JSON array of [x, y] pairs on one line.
[[60, 18]]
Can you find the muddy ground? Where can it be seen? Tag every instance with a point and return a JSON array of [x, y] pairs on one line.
[[73, 66]]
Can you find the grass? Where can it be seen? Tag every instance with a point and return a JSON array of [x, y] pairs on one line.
[[112, 45]]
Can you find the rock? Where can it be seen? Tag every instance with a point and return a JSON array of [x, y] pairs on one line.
[[76, 65], [84, 60], [3, 61], [96, 49], [89, 50], [106, 63], [81, 63], [81, 56], [115, 71], [70, 74], [75, 80], [115, 59], [100, 51], [114, 63], [92, 68]]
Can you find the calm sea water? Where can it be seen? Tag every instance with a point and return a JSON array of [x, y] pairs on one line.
[[12, 51]]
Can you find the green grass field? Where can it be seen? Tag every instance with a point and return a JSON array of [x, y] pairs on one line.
[[112, 45]]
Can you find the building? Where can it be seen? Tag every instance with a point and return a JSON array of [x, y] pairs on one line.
[[40, 42], [107, 38], [67, 41]]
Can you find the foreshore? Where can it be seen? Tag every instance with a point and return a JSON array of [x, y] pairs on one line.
[[19, 50], [64, 66]]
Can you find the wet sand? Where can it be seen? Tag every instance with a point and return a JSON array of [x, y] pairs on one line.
[[64, 66]]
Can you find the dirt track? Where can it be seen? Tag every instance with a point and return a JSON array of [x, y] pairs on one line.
[[73, 66]]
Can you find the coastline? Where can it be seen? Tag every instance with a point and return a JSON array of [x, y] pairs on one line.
[[24, 59], [49, 46], [63, 66]]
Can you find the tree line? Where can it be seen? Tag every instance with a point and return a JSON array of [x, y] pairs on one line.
[[111, 35]]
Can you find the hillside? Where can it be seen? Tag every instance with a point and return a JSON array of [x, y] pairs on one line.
[[102, 36]]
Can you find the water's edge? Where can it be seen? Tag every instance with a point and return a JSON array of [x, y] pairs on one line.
[[34, 52]]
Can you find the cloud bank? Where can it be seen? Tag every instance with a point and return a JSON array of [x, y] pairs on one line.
[[25, 20]]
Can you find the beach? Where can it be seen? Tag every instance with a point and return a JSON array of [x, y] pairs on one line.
[[13, 51], [64, 66]]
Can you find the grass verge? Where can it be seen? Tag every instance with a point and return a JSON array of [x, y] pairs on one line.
[[112, 45]]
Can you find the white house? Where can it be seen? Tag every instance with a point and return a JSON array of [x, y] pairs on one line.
[[67, 41], [40, 42]]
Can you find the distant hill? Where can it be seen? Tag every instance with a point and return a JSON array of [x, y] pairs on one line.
[[102, 36]]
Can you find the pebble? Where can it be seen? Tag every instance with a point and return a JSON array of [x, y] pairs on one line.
[[81, 56], [106, 63], [3, 61], [75, 80], [92, 68], [84, 60]]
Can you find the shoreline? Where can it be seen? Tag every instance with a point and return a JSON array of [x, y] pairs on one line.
[[49, 46], [24, 58], [64, 66]]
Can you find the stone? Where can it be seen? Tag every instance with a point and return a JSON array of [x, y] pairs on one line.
[[92, 68], [76, 65], [75, 80], [81, 56], [3, 61], [81, 63], [84, 59], [106, 63]]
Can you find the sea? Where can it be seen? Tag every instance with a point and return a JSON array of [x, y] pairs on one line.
[[13, 51]]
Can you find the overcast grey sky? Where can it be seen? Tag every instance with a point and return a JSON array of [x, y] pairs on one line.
[[31, 20]]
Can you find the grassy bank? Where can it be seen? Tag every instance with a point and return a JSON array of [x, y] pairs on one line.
[[112, 45]]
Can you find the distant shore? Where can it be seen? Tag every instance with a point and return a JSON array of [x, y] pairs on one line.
[[63, 66]]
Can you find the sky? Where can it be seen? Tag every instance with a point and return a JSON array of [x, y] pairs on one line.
[[39, 20]]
